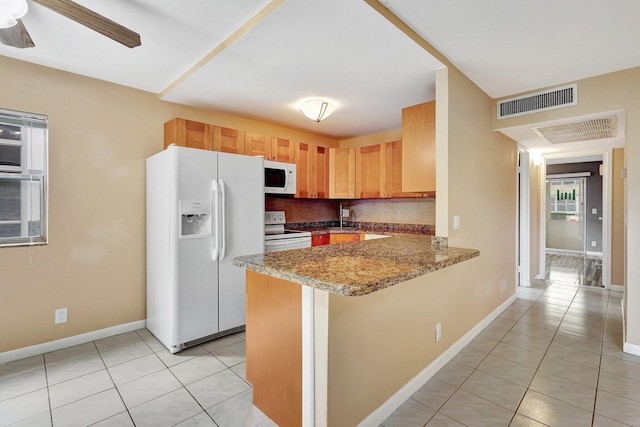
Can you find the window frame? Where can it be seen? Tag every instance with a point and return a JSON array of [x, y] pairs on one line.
[[34, 168]]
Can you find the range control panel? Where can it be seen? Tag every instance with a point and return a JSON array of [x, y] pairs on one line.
[[274, 217]]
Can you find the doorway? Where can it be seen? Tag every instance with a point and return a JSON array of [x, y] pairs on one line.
[[573, 231], [566, 225]]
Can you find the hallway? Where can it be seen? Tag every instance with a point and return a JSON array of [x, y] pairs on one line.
[[553, 358], [573, 268]]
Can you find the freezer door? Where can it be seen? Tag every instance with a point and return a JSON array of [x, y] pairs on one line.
[[241, 180], [195, 292]]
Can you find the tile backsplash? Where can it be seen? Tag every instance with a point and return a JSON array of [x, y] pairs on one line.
[[303, 210], [396, 211]]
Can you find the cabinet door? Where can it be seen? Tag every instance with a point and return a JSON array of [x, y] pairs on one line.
[[393, 168], [370, 172], [256, 144], [304, 170], [321, 172], [227, 140], [344, 238], [320, 240], [187, 133], [419, 148], [283, 150], [342, 174]]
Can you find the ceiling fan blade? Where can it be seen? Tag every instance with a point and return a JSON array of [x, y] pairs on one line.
[[94, 21], [16, 36]]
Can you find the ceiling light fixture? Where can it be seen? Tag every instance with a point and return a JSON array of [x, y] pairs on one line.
[[11, 11], [316, 109]]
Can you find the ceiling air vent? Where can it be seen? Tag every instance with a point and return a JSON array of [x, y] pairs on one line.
[[559, 97], [585, 130]]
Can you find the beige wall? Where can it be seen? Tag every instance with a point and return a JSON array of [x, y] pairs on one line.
[[482, 190], [94, 264], [610, 92], [617, 219], [376, 138], [378, 342]]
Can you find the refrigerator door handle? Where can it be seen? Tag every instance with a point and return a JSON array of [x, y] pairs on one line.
[[214, 196], [223, 225]]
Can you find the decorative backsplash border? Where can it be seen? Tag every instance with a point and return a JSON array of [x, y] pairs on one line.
[[369, 226]]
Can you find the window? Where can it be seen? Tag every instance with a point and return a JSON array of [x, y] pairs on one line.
[[565, 199], [23, 178]]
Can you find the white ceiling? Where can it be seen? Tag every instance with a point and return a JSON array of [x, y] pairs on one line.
[[339, 49]]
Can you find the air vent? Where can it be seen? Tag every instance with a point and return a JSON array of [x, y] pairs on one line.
[[560, 97], [585, 130]]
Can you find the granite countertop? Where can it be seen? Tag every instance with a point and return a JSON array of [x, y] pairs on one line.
[[359, 268]]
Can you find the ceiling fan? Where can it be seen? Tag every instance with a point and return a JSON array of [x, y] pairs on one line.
[[14, 33]]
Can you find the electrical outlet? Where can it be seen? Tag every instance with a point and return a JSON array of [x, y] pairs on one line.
[[61, 316], [593, 243], [456, 222], [438, 331], [594, 211]]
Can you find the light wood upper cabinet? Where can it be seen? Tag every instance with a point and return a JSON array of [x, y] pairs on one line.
[[187, 133], [371, 172], [312, 164], [257, 144], [283, 150], [342, 173], [228, 140], [303, 157], [419, 148], [321, 172], [393, 171]]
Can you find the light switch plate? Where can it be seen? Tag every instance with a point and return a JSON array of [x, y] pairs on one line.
[[456, 222]]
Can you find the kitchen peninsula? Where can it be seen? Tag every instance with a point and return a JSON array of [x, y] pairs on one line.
[[332, 330]]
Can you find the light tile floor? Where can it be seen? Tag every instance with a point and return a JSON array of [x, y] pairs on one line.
[[131, 380], [552, 358]]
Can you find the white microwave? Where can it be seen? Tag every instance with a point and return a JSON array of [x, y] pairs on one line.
[[279, 177]]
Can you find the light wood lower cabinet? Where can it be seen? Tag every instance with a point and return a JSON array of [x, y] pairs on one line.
[[344, 238], [320, 239], [342, 173]]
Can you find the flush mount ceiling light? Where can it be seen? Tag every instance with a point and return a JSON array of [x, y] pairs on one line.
[[11, 11], [316, 109]]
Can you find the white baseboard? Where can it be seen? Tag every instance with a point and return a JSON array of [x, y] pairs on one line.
[[617, 288], [387, 408], [627, 347], [34, 350]]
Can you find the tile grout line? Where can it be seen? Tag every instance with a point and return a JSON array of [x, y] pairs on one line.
[[545, 352], [114, 383]]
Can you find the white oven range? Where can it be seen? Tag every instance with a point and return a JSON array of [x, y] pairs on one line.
[[276, 238]]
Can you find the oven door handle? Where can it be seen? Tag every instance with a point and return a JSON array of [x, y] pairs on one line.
[[286, 244]]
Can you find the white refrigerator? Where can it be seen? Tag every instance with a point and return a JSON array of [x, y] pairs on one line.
[[203, 209]]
